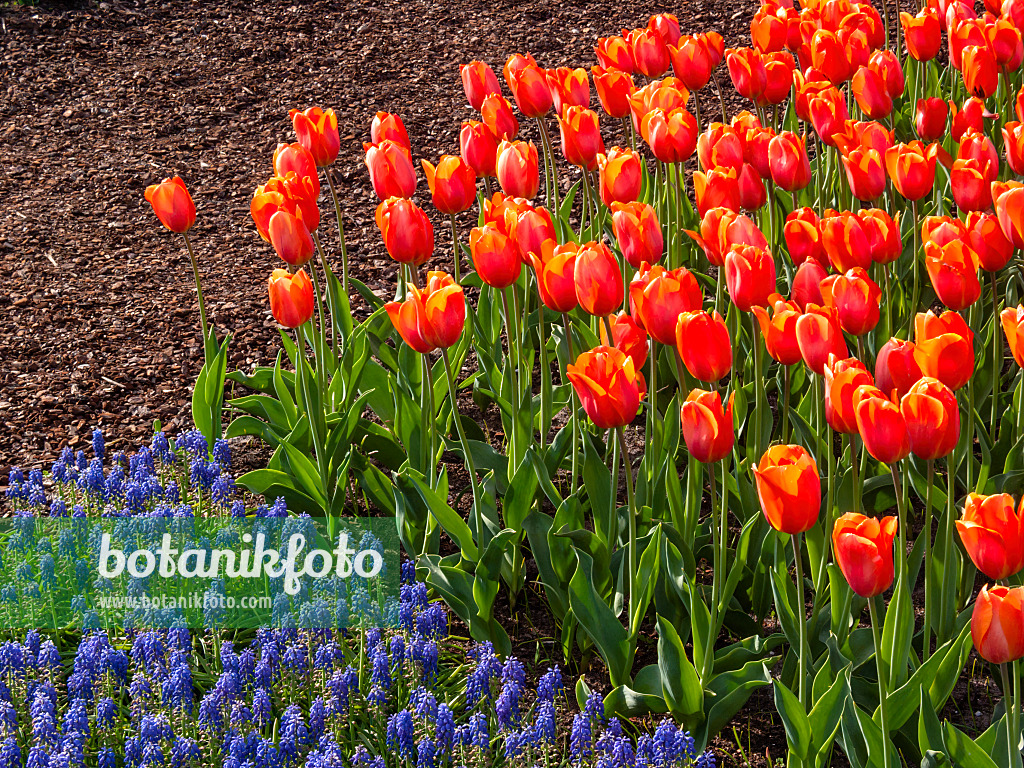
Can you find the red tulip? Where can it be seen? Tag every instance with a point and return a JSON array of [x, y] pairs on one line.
[[667, 27], [944, 347], [747, 72], [1008, 200], [530, 89], [842, 379], [942, 230], [671, 135], [614, 87], [912, 168], [691, 62], [883, 235], [517, 169], [293, 194], [608, 385], [555, 266], [638, 233], [896, 367], [970, 118], [295, 158], [930, 119], [997, 624], [953, 270], [707, 429], [432, 317], [317, 131], [581, 137], [856, 299], [391, 170], [752, 192], [922, 34], [598, 278], [291, 297], [479, 82], [615, 53], [658, 297], [828, 114], [778, 69], [478, 147], [569, 88], [806, 288], [407, 231], [870, 91], [650, 53], [1013, 142], [863, 548], [846, 241], [1012, 319], [720, 146], [716, 189], [703, 343], [881, 425], [628, 337], [803, 236], [749, 276], [819, 335], [386, 125], [497, 115], [172, 204], [865, 173], [621, 176], [985, 237], [789, 488], [887, 65], [975, 145], [452, 184], [290, 238], [932, 415], [532, 229], [829, 56], [495, 257], [787, 157], [779, 332], [980, 71]]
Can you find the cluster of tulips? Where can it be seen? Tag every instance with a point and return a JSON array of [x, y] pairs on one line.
[[602, 287]]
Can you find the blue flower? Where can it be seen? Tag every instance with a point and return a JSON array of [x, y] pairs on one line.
[[98, 448], [425, 752], [550, 685], [400, 734]]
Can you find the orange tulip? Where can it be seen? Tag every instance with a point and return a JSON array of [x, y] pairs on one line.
[[497, 115], [1004, 39], [530, 89], [432, 317], [755, 146], [829, 56], [667, 27], [778, 70], [807, 86], [620, 176], [971, 185], [707, 429], [863, 548], [533, 227], [1008, 201], [887, 65], [779, 331], [391, 170], [666, 95], [517, 169], [555, 267], [659, 296], [703, 343], [881, 425], [479, 82], [172, 204], [803, 236], [290, 238], [930, 119], [993, 534], [295, 158], [581, 137], [856, 298], [514, 63], [691, 62], [614, 87], [599, 287], [452, 184], [842, 378], [291, 297], [896, 367], [495, 257], [944, 347], [721, 228], [749, 276], [503, 211], [317, 131], [716, 189], [865, 172], [845, 240], [638, 233], [806, 288], [953, 269], [789, 488], [997, 624], [569, 88], [828, 114], [291, 193], [608, 385], [615, 53], [819, 336], [747, 71], [932, 415], [386, 125], [406, 229], [912, 168], [883, 235], [671, 135], [985, 237], [942, 230], [650, 53], [971, 117], [1013, 142], [980, 71], [922, 34], [628, 337], [1013, 328], [720, 146], [787, 157], [478, 147], [870, 91]]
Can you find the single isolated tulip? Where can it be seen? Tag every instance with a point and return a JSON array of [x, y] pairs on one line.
[[863, 547], [944, 347], [997, 624], [1012, 319], [432, 317], [391, 170], [291, 297], [317, 131], [779, 330], [932, 415], [789, 488], [659, 296], [517, 169], [290, 238], [479, 82], [627, 336], [620, 176], [856, 298], [842, 379], [387, 125], [406, 229], [820, 336], [912, 168], [922, 33], [993, 534], [953, 269], [608, 384], [881, 425], [707, 428], [749, 276], [555, 265], [703, 343], [599, 287], [495, 257], [452, 184], [896, 367], [172, 204]]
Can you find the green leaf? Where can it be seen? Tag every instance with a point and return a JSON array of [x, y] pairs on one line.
[[730, 691], [598, 620], [827, 713], [681, 686], [963, 750], [798, 728], [522, 492], [411, 481]]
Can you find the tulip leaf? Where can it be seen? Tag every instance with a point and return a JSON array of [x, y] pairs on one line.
[[599, 622], [729, 692], [963, 750], [681, 685], [798, 727], [410, 481]]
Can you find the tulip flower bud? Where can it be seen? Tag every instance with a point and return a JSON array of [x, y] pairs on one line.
[[290, 238], [317, 131], [846, 241], [407, 231], [671, 135], [856, 299], [703, 343], [478, 147], [658, 297], [621, 176], [716, 189], [720, 146], [497, 115], [452, 184], [883, 235], [985, 237], [432, 317], [787, 158], [386, 125], [803, 236], [530, 89], [806, 288], [615, 53], [993, 534], [749, 276], [707, 429], [789, 488], [1008, 201], [819, 336], [747, 71], [598, 277], [953, 270], [1012, 319], [881, 425], [930, 119], [581, 137], [944, 347], [922, 34], [842, 378], [752, 192], [912, 168], [479, 82], [932, 415], [865, 173], [997, 624], [517, 169], [779, 332], [870, 91], [608, 384], [295, 158], [638, 233], [172, 204], [628, 337], [291, 297], [691, 62], [650, 53], [495, 257], [896, 367], [555, 267], [863, 548], [569, 88], [614, 87], [391, 170]]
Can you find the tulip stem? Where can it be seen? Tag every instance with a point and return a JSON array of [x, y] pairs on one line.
[[721, 97], [1015, 731], [755, 440], [857, 501], [470, 464], [652, 417], [545, 372], [341, 233], [585, 206], [882, 696], [314, 423], [207, 338], [802, 622], [427, 417], [514, 375], [716, 583], [784, 405], [633, 620], [916, 296], [888, 301], [997, 358], [898, 487], [574, 477], [928, 586], [455, 250], [553, 191]]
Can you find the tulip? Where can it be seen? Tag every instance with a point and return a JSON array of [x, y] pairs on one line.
[[703, 343], [806, 288], [922, 34], [650, 53], [985, 237], [778, 70], [953, 270], [629, 337], [391, 170], [667, 26], [292, 194], [932, 415], [842, 379], [863, 548], [1004, 40], [912, 168], [803, 236], [707, 429], [386, 125], [993, 534], [608, 385], [1012, 320], [290, 238], [779, 331], [432, 317], [942, 230], [865, 172], [980, 71], [856, 298], [787, 157], [789, 488], [503, 211], [495, 257], [930, 119], [721, 228], [317, 131], [569, 88], [819, 336], [1013, 142], [720, 146], [716, 189], [997, 624], [532, 229], [1008, 201], [881, 425], [846, 242], [715, 45], [768, 32], [870, 91], [755, 149], [896, 367], [599, 287], [944, 347], [749, 276], [517, 169], [407, 231], [828, 113], [581, 137], [479, 82], [808, 86], [530, 89], [975, 145], [614, 87], [971, 117], [291, 297], [497, 115], [691, 62], [638, 233], [478, 147], [295, 158], [887, 65], [615, 53], [747, 72], [620, 176], [671, 135], [828, 56], [555, 267], [172, 204], [659, 296], [883, 235], [666, 95], [452, 184], [752, 192]]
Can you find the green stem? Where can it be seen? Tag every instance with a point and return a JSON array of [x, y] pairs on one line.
[[427, 414], [1008, 706], [854, 468], [341, 233], [997, 358], [653, 418], [545, 372], [1015, 750], [513, 366], [882, 696], [928, 586], [455, 251], [470, 464], [574, 477], [553, 205], [634, 620], [755, 342], [314, 423], [784, 405], [917, 272], [802, 620], [902, 518], [716, 585], [208, 350]]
